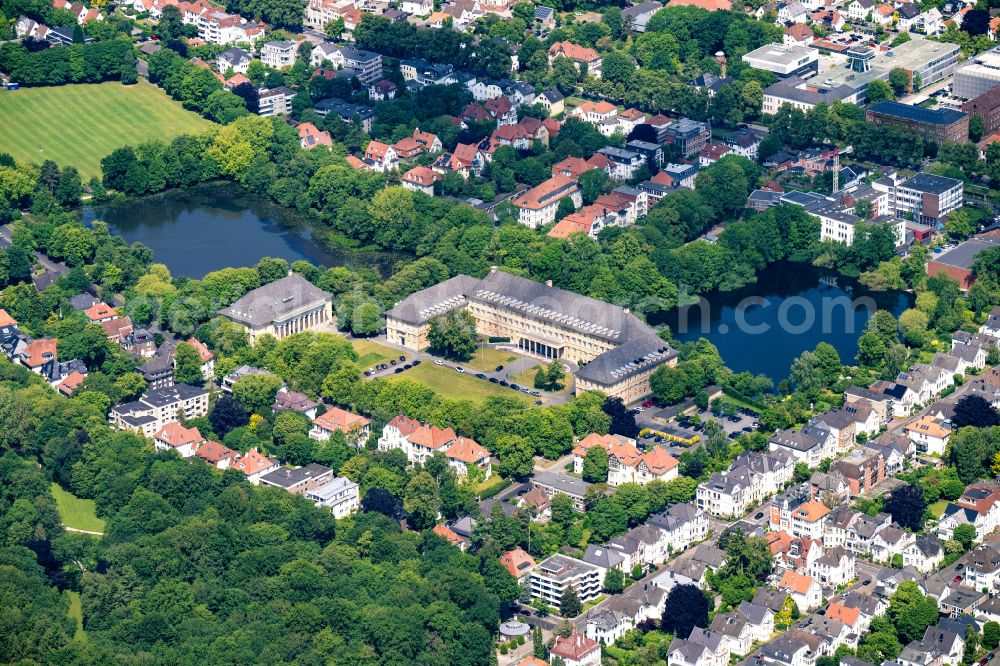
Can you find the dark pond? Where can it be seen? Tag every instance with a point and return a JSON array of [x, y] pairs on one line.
[[792, 307], [205, 228]]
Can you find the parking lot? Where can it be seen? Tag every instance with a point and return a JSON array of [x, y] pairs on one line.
[[734, 425]]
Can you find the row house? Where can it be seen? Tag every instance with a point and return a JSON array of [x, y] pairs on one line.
[[840, 424], [218, 27], [794, 553], [925, 554], [626, 463], [701, 648], [419, 441], [585, 59], [862, 469], [809, 445], [834, 568], [930, 435], [752, 477], [978, 506]]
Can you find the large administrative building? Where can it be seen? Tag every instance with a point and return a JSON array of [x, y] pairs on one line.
[[617, 351]]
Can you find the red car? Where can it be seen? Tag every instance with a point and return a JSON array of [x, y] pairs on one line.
[[957, 579], [647, 404]]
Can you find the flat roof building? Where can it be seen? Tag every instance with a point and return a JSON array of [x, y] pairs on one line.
[[784, 60], [555, 574], [957, 262], [932, 61], [978, 75], [802, 94]]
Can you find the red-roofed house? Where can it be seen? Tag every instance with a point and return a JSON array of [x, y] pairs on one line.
[[521, 135], [450, 536], [798, 34], [502, 110], [37, 353], [254, 465], [357, 428], [407, 148], [71, 382], [311, 136], [99, 312], [465, 452], [805, 591], [467, 160], [175, 437], [538, 206], [418, 440], [421, 179], [206, 356], [517, 562], [595, 112], [215, 454], [382, 156], [430, 141], [580, 55], [712, 153], [577, 650], [6, 320]]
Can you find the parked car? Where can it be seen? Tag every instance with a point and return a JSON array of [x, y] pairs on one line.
[[416, 361], [459, 368], [515, 386], [498, 368], [392, 361], [407, 366], [368, 373], [438, 361], [402, 358], [480, 375], [866, 581], [538, 403], [398, 370], [759, 515], [647, 404], [494, 380], [503, 383]]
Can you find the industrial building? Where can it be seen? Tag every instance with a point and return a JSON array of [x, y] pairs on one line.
[[978, 75]]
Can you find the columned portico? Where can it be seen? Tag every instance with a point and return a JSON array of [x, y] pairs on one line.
[[545, 350], [302, 322]]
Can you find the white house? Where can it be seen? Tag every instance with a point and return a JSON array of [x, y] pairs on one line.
[[834, 568], [804, 590]]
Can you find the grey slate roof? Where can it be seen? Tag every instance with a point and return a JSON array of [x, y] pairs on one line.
[[275, 301]]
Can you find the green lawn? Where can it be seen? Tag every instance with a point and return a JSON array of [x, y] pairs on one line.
[[78, 125], [452, 384], [371, 352], [937, 509], [75, 512], [76, 614], [486, 359]]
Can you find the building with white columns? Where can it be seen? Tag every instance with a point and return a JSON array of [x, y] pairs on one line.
[[284, 307]]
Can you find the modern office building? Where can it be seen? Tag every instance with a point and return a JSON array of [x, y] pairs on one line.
[[802, 94], [978, 75], [926, 197], [616, 351], [932, 125], [784, 61]]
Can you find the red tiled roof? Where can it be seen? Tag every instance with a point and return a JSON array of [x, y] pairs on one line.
[[447, 534], [517, 562], [253, 462], [38, 352], [336, 418], [574, 647], [202, 350], [175, 435], [99, 311], [6, 319], [709, 5], [213, 452], [573, 51], [467, 450], [71, 382]]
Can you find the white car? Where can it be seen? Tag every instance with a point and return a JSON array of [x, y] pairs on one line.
[[459, 369], [438, 361]]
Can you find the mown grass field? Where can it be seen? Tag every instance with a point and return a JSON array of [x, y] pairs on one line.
[[78, 125], [371, 352], [76, 512], [456, 385], [76, 614], [486, 359]]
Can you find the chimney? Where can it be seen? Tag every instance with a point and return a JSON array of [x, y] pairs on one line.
[[720, 58], [548, 283]]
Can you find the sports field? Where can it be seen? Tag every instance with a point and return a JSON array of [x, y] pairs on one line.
[[78, 125]]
